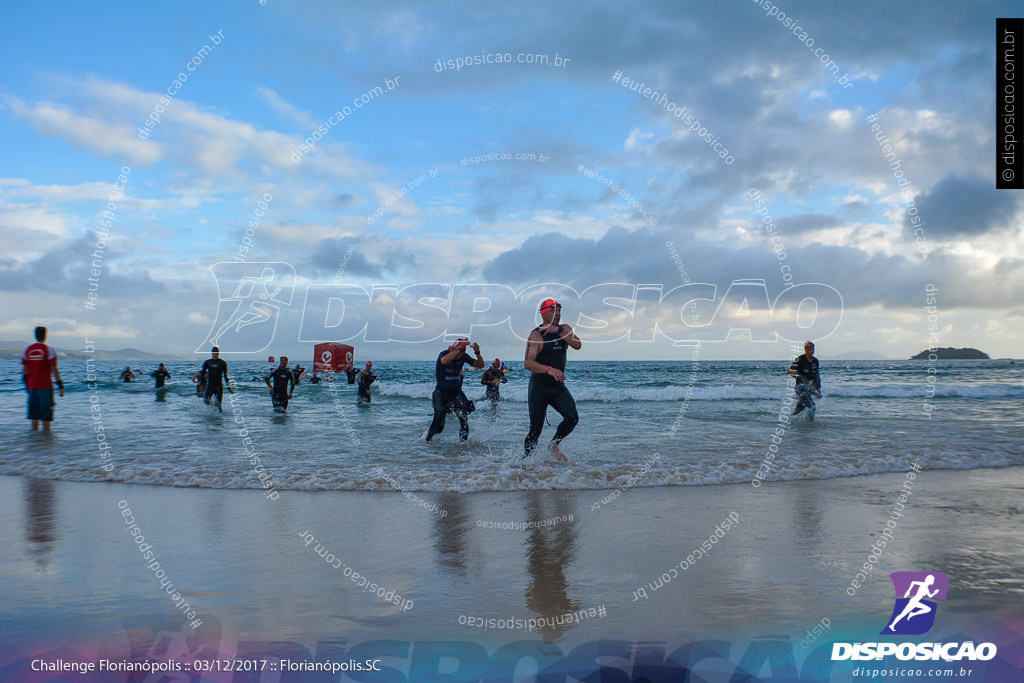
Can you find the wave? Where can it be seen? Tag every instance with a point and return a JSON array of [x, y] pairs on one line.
[[589, 391], [474, 469]]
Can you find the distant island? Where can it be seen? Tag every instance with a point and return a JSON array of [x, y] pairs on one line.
[[949, 353], [11, 350]]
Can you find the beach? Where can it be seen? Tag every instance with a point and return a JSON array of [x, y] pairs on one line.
[[74, 577]]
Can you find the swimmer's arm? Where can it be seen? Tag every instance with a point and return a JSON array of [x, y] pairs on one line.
[[450, 356], [533, 346], [571, 339]]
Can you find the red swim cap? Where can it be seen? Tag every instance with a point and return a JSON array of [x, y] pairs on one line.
[[548, 304]]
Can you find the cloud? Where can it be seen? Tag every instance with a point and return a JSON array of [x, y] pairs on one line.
[[963, 207], [287, 110], [806, 222], [66, 269], [115, 140]]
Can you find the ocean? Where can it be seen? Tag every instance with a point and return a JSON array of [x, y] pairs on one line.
[[642, 424]]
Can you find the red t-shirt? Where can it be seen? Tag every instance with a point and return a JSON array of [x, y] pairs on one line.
[[38, 359]]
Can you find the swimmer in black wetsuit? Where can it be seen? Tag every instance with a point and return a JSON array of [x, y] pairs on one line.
[[545, 358], [352, 373], [492, 377], [448, 396], [366, 378], [213, 378], [805, 370], [282, 383], [160, 375], [127, 375]]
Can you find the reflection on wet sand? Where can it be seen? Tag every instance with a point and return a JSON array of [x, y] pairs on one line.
[[549, 552], [450, 533], [41, 526]]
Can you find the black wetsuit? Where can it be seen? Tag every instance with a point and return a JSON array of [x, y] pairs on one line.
[[491, 374], [448, 396], [808, 381], [215, 372], [545, 391], [314, 380], [351, 372], [281, 382], [161, 375], [365, 380]]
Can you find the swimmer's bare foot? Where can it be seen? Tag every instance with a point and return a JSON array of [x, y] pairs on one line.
[[557, 452]]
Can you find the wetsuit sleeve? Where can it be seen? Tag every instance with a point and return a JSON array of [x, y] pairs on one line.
[[291, 388], [816, 381], [486, 377]]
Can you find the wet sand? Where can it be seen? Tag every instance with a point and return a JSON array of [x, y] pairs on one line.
[[283, 569]]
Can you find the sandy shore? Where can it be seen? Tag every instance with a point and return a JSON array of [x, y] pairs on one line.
[[253, 568]]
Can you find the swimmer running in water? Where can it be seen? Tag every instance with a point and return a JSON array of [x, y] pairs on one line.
[[366, 378], [448, 396], [546, 349], [160, 375], [492, 378], [282, 383], [805, 370], [213, 378]]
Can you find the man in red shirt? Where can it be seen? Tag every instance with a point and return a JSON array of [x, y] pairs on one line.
[[38, 363]]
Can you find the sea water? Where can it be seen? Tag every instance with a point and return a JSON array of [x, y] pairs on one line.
[[642, 423]]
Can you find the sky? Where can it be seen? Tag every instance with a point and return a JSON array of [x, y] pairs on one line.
[[401, 167]]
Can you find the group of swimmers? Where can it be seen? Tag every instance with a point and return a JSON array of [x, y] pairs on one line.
[[212, 378], [546, 350], [160, 374]]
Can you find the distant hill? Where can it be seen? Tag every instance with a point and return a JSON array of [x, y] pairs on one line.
[[949, 353], [12, 350]]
